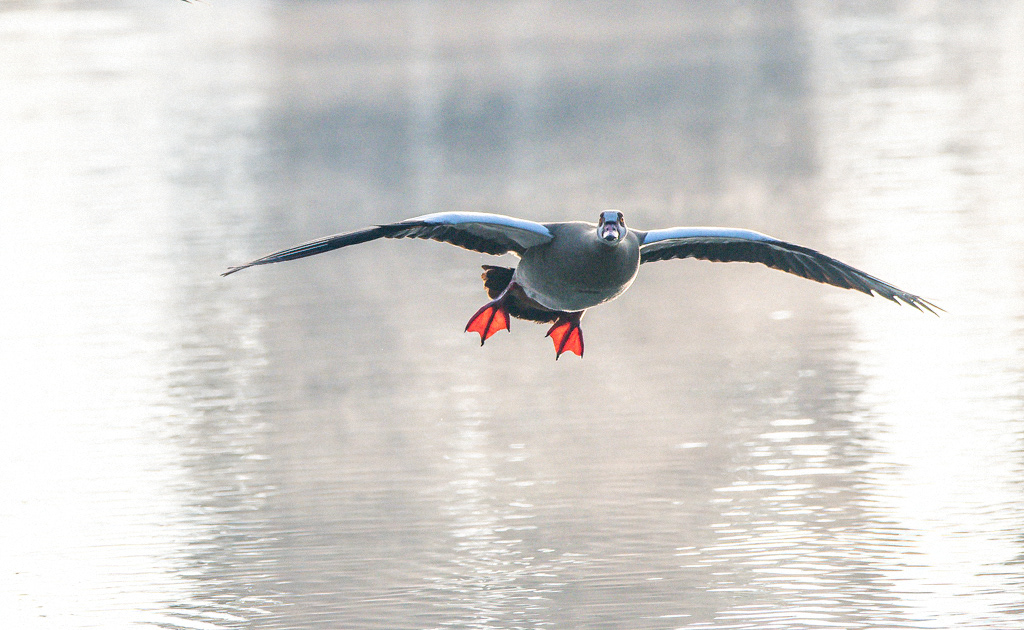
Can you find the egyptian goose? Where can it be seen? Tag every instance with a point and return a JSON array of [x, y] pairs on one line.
[[566, 268]]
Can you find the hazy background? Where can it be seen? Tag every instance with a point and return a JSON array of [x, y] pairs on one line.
[[318, 444]]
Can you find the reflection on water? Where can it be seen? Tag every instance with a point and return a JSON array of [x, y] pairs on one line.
[[317, 445]]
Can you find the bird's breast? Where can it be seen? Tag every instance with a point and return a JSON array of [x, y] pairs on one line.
[[576, 271]]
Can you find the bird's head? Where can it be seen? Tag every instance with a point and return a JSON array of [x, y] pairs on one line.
[[611, 227]]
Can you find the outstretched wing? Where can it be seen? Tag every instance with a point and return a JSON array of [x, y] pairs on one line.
[[730, 244], [481, 232]]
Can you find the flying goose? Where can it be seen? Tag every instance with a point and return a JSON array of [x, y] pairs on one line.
[[566, 268]]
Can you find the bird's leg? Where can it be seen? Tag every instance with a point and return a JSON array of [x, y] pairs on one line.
[[491, 317], [567, 334]]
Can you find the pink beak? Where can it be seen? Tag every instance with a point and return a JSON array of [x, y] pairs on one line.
[[610, 231]]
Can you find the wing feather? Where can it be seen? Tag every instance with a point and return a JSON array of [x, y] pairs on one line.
[[477, 231], [731, 245]]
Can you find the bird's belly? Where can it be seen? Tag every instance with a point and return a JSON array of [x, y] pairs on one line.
[[578, 301], [566, 288]]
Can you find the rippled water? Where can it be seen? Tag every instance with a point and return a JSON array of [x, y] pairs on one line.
[[318, 445]]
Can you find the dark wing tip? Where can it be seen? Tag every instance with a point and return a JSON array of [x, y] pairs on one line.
[[814, 265], [919, 303], [232, 270]]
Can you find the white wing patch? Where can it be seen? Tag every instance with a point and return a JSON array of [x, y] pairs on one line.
[[485, 225], [664, 238]]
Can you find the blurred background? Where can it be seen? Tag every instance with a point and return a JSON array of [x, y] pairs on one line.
[[318, 444]]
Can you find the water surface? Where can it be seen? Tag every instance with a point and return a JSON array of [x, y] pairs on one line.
[[318, 445]]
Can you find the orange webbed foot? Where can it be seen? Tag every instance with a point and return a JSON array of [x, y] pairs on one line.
[[491, 318], [567, 335]]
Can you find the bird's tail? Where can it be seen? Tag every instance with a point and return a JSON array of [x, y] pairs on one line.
[[496, 279]]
